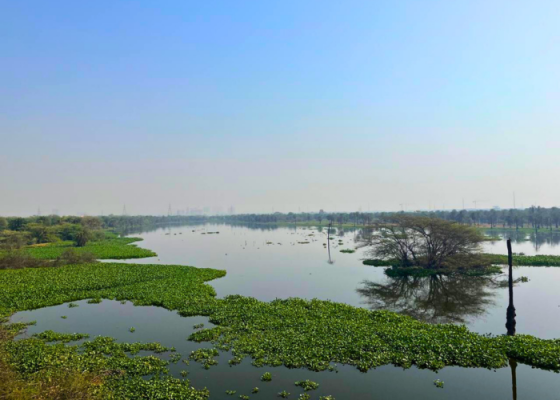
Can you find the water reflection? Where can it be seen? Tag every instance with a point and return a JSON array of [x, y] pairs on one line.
[[537, 239], [435, 299]]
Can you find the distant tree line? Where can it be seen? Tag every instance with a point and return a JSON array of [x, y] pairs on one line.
[[533, 217], [43, 229]]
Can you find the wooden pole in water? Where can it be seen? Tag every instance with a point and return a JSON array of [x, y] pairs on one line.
[[510, 324], [510, 320], [329, 241]]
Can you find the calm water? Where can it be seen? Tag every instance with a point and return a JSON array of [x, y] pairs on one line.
[[284, 267]]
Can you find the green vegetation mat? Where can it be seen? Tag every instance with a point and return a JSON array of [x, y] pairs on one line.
[[528, 261], [293, 332], [496, 259], [108, 249]]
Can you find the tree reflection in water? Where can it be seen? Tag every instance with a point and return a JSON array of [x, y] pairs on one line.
[[434, 299]]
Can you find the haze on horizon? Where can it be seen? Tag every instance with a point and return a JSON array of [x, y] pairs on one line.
[[280, 106]]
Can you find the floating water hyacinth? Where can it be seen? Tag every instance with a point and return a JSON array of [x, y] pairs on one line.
[[266, 377], [132, 329], [284, 394], [307, 385], [255, 390], [438, 383], [51, 336], [112, 248], [205, 357], [174, 358], [231, 392], [72, 305]]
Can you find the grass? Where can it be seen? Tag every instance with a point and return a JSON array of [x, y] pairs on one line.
[[113, 248]]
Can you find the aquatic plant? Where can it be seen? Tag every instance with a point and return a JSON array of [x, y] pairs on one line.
[[94, 301], [255, 390], [284, 394], [307, 385], [114, 248], [329, 397], [495, 259], [198, 326], [51, 336], [526, 261], [350, 251], [145, 376], [266, 377], [63, 317], [439, 383], [72, 305], [132, 329], [231, 392], [304, 396], [205, 357], [175, 358], [311, 334], [244, 397], [184, 373]]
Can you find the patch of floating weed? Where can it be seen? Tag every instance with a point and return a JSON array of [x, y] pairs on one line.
[[51, 336], [132, 329], [307, 385], [295, 333], [255, 390], [231, 392], [349, 251], [124, 377], [439, 383], [284, 394], [244, 397], [205, 357], [113, 248], [94, 301], [198, 326], [175, 358], [266, 377], [73, 305], [304, 396]]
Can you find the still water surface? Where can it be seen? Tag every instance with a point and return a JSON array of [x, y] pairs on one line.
[[274, 263]]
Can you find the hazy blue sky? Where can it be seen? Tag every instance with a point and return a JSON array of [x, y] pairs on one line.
[[278, 104]]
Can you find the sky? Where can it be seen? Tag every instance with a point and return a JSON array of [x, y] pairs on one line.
[[278, 105]]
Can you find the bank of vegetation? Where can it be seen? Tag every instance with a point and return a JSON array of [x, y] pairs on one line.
[[55, 241]]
